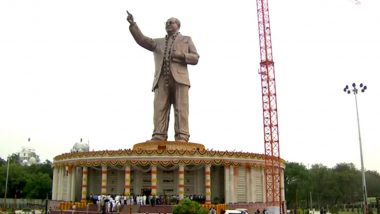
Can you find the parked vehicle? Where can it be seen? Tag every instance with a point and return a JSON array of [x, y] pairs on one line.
[[237, 211]]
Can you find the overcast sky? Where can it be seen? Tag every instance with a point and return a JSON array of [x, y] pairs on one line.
[[70, 69]]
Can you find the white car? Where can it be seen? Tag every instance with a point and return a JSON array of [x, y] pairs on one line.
[[237, 211]]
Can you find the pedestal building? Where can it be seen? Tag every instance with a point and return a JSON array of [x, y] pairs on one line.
[[162, 168]]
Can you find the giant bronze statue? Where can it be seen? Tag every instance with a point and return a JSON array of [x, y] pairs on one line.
[[171, 81]]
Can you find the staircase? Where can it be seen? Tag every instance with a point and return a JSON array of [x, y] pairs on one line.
[[163, 209], [127, 209]]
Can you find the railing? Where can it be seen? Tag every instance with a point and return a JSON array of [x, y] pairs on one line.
[[22, 203]]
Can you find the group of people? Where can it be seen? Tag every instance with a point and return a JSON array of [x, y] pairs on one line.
[[107, 203], [258, 211], [113, 203]]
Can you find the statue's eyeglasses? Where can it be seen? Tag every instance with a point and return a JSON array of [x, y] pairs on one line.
[[170, 22]]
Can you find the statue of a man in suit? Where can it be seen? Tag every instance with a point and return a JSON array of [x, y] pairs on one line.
[[171, 82]]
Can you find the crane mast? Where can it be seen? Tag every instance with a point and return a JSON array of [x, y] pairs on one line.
[[272, 158]]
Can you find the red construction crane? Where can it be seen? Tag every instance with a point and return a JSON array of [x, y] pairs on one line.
[[269, 101]]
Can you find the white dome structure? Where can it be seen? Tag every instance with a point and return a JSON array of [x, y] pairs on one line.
[[81, 147], [32, 160], [28, 156]]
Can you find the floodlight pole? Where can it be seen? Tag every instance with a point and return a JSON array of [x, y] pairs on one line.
[[364, 186]]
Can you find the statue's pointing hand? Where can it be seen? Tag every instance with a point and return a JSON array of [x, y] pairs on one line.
[[130, 18]]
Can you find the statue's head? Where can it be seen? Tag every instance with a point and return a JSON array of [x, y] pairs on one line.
[[172, 25]]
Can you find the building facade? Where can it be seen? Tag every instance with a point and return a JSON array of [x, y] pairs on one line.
[[162, 169]]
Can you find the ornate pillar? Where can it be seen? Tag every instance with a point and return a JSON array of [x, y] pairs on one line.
[[127, 180], [154, 180], [232, 184], [253, 185], [55, 184], [104, 180], [282, 185], [68, 183], [236, 180], [264, 183], [61, 172], [227, 197], [248, 183], [72, 182], [84, 183], [181, 181], [208, 183], [59, 183]]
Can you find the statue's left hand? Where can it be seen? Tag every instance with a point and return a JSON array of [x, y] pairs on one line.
[[178, 55]]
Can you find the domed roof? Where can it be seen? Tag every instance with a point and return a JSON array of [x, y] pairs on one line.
[[81, 147], [32, 160], [28, 156]]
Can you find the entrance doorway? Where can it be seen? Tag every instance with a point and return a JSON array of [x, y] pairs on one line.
[[147, 192]]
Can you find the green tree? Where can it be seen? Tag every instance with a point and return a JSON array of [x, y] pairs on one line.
[[297, 185], [323, 185], [2, 162], [26, 181], [38, 185], [3, 174], [187, 206], [45, 167], [327, 186], [15, 158], [373, 183], [16, 180], [348, 182]]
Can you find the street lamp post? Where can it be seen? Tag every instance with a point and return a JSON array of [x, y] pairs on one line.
[[6, 187], [355, 91]]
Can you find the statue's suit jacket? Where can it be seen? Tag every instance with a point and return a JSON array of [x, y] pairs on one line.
[[182, 45]]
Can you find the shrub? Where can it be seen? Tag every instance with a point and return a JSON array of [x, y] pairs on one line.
[[188, 206]]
